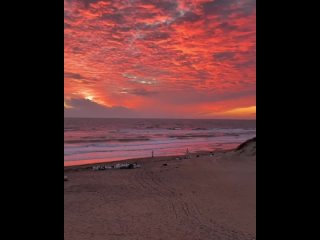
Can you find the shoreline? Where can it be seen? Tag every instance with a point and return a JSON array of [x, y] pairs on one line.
[[86, 166], [248, 146]]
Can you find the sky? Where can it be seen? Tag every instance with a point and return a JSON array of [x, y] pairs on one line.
[[160, 58]]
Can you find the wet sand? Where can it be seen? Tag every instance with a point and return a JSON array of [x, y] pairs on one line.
[[199, 198]]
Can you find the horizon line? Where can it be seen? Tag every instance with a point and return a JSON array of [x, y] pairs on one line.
[[163, 118]]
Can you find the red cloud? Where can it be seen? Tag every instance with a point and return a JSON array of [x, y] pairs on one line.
[[187, 57]]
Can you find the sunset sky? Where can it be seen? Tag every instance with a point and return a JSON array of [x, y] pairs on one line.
[[160, 58]]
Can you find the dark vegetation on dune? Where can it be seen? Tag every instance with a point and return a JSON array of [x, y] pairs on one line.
[[248, 147]]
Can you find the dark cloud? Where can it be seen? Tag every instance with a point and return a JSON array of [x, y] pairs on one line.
[[222, 56], [87, 108], [157, 36], [142, 92], [203, 75], [76, 50], [227, 27], [87, 3], [246, 64], [114, 18], [247, 8], [225, 7], [73, 75], [162, 4], [119, 29], [188, 17], [66, 25], [217, 7]]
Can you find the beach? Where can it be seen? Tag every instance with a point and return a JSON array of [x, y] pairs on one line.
[[204, 197], [159, 120]]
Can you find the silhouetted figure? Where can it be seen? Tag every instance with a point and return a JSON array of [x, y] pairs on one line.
[[188, 153]]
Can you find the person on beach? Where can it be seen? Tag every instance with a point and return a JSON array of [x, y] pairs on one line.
[[188, 153]]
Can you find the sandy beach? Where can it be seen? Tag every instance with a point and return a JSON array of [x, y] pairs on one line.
[[205, 197]]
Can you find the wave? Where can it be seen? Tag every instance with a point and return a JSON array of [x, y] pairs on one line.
[[152, 145], [125, 139], [143, 136], [76, 141], [70, 129]]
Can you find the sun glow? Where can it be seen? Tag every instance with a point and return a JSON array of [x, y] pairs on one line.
[[245, 112], [90, 98], [66, 105]]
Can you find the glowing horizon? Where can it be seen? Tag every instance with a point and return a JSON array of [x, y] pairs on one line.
[[161, 59]]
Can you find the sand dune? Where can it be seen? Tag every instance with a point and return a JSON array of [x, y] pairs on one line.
[[247, 148], [199, 198]]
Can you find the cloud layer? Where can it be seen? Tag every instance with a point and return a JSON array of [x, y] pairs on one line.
[[179, 58]]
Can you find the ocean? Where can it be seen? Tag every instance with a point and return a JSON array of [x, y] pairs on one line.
[[103, 140]]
